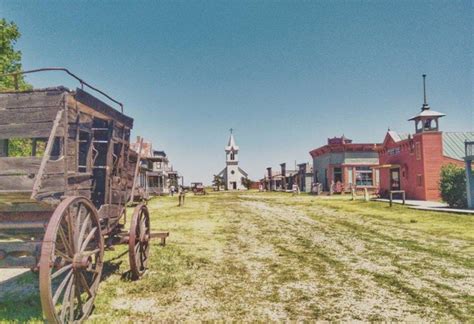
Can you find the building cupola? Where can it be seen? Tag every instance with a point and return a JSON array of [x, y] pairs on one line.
[[427, 119]]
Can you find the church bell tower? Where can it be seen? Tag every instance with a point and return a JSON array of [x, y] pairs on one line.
[[427, 119]]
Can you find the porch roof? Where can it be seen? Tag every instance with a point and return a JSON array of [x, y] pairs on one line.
[[386, 166]]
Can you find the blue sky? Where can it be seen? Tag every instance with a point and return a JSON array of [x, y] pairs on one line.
[[285, 74]]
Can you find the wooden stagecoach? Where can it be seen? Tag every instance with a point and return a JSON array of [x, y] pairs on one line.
[[66, 176]]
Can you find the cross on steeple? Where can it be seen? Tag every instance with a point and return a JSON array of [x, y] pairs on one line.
[[231, 130]]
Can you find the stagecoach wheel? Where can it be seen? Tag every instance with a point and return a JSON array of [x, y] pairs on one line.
[[71, 261], [138, 241]]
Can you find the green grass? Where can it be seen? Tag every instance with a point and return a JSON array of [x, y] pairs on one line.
[[272, 256]]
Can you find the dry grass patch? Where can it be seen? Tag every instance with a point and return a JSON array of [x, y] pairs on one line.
[[267, 256]]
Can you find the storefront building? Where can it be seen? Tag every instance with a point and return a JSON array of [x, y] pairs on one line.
[[346, 164]]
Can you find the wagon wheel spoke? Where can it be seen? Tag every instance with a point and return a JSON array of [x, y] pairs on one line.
[[78, 223], [91, 252], [84, 284], [60, 271], [88, 239], [61, 287], [65, 242], [71, 301], [79, 300], [83, 229], [65, 304], [70, 229], [62, 255]]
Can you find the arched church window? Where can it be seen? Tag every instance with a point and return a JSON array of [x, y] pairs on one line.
[[232, 156]]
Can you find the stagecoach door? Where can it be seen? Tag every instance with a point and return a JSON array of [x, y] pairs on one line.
[[395, 179]]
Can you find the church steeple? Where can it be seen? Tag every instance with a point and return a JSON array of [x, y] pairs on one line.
[[427, 119], [231, 146]]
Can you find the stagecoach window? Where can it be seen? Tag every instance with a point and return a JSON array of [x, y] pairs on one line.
[[57, 149], [116, 158], [84, 149], [3, 148], [24, 147]]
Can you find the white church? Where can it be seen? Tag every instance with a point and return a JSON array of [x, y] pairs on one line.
[[232, 174]]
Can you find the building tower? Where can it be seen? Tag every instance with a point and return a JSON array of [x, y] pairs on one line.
[[232, 174], [427, 119]]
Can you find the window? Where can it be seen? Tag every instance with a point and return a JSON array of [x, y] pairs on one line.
[[3, 148], [83, 154], [24, 147], [232, 156], [418, 150], [337, 175], [394, 151], [232, 172], [419, 180], [364, 176], [427, 125]]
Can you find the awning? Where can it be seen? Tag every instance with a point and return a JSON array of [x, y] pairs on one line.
[[386, 166]]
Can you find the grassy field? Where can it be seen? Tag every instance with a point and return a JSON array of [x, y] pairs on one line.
[[268, 256]]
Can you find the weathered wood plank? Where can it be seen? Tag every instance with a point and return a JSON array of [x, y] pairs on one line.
[[28, 130], [54, 182], [109, 211], [77, 177], [119, 196], [28, 115], [16, 182], [19, 165], [102, 108], [55, 166], [51, 98]]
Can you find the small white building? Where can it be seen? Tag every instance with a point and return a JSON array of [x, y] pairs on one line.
[[232, 174]]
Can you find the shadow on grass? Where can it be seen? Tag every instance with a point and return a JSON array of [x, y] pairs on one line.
[[20, 301]]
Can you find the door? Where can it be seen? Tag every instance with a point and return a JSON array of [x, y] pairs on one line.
[[234, 185], [395, 179]]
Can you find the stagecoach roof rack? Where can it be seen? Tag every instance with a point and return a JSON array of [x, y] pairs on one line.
[[81, 81]]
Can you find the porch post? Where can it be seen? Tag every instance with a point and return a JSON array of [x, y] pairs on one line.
[[469, 184]]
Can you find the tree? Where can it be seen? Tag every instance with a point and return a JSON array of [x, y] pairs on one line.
[[217, 182], [452, 186], [246, 182], [10, 59]]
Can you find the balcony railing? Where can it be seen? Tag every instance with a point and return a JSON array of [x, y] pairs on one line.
[[469, 150]]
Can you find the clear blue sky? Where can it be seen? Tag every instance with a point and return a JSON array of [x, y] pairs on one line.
[[285, 74]]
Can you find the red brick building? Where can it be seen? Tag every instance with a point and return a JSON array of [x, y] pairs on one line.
[[413, 162]]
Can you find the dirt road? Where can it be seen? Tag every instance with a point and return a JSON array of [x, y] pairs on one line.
[[256, 256]]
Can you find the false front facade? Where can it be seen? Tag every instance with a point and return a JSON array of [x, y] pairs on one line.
[[345, 164]]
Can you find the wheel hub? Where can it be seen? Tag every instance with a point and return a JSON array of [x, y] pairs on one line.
[[81, 261]]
